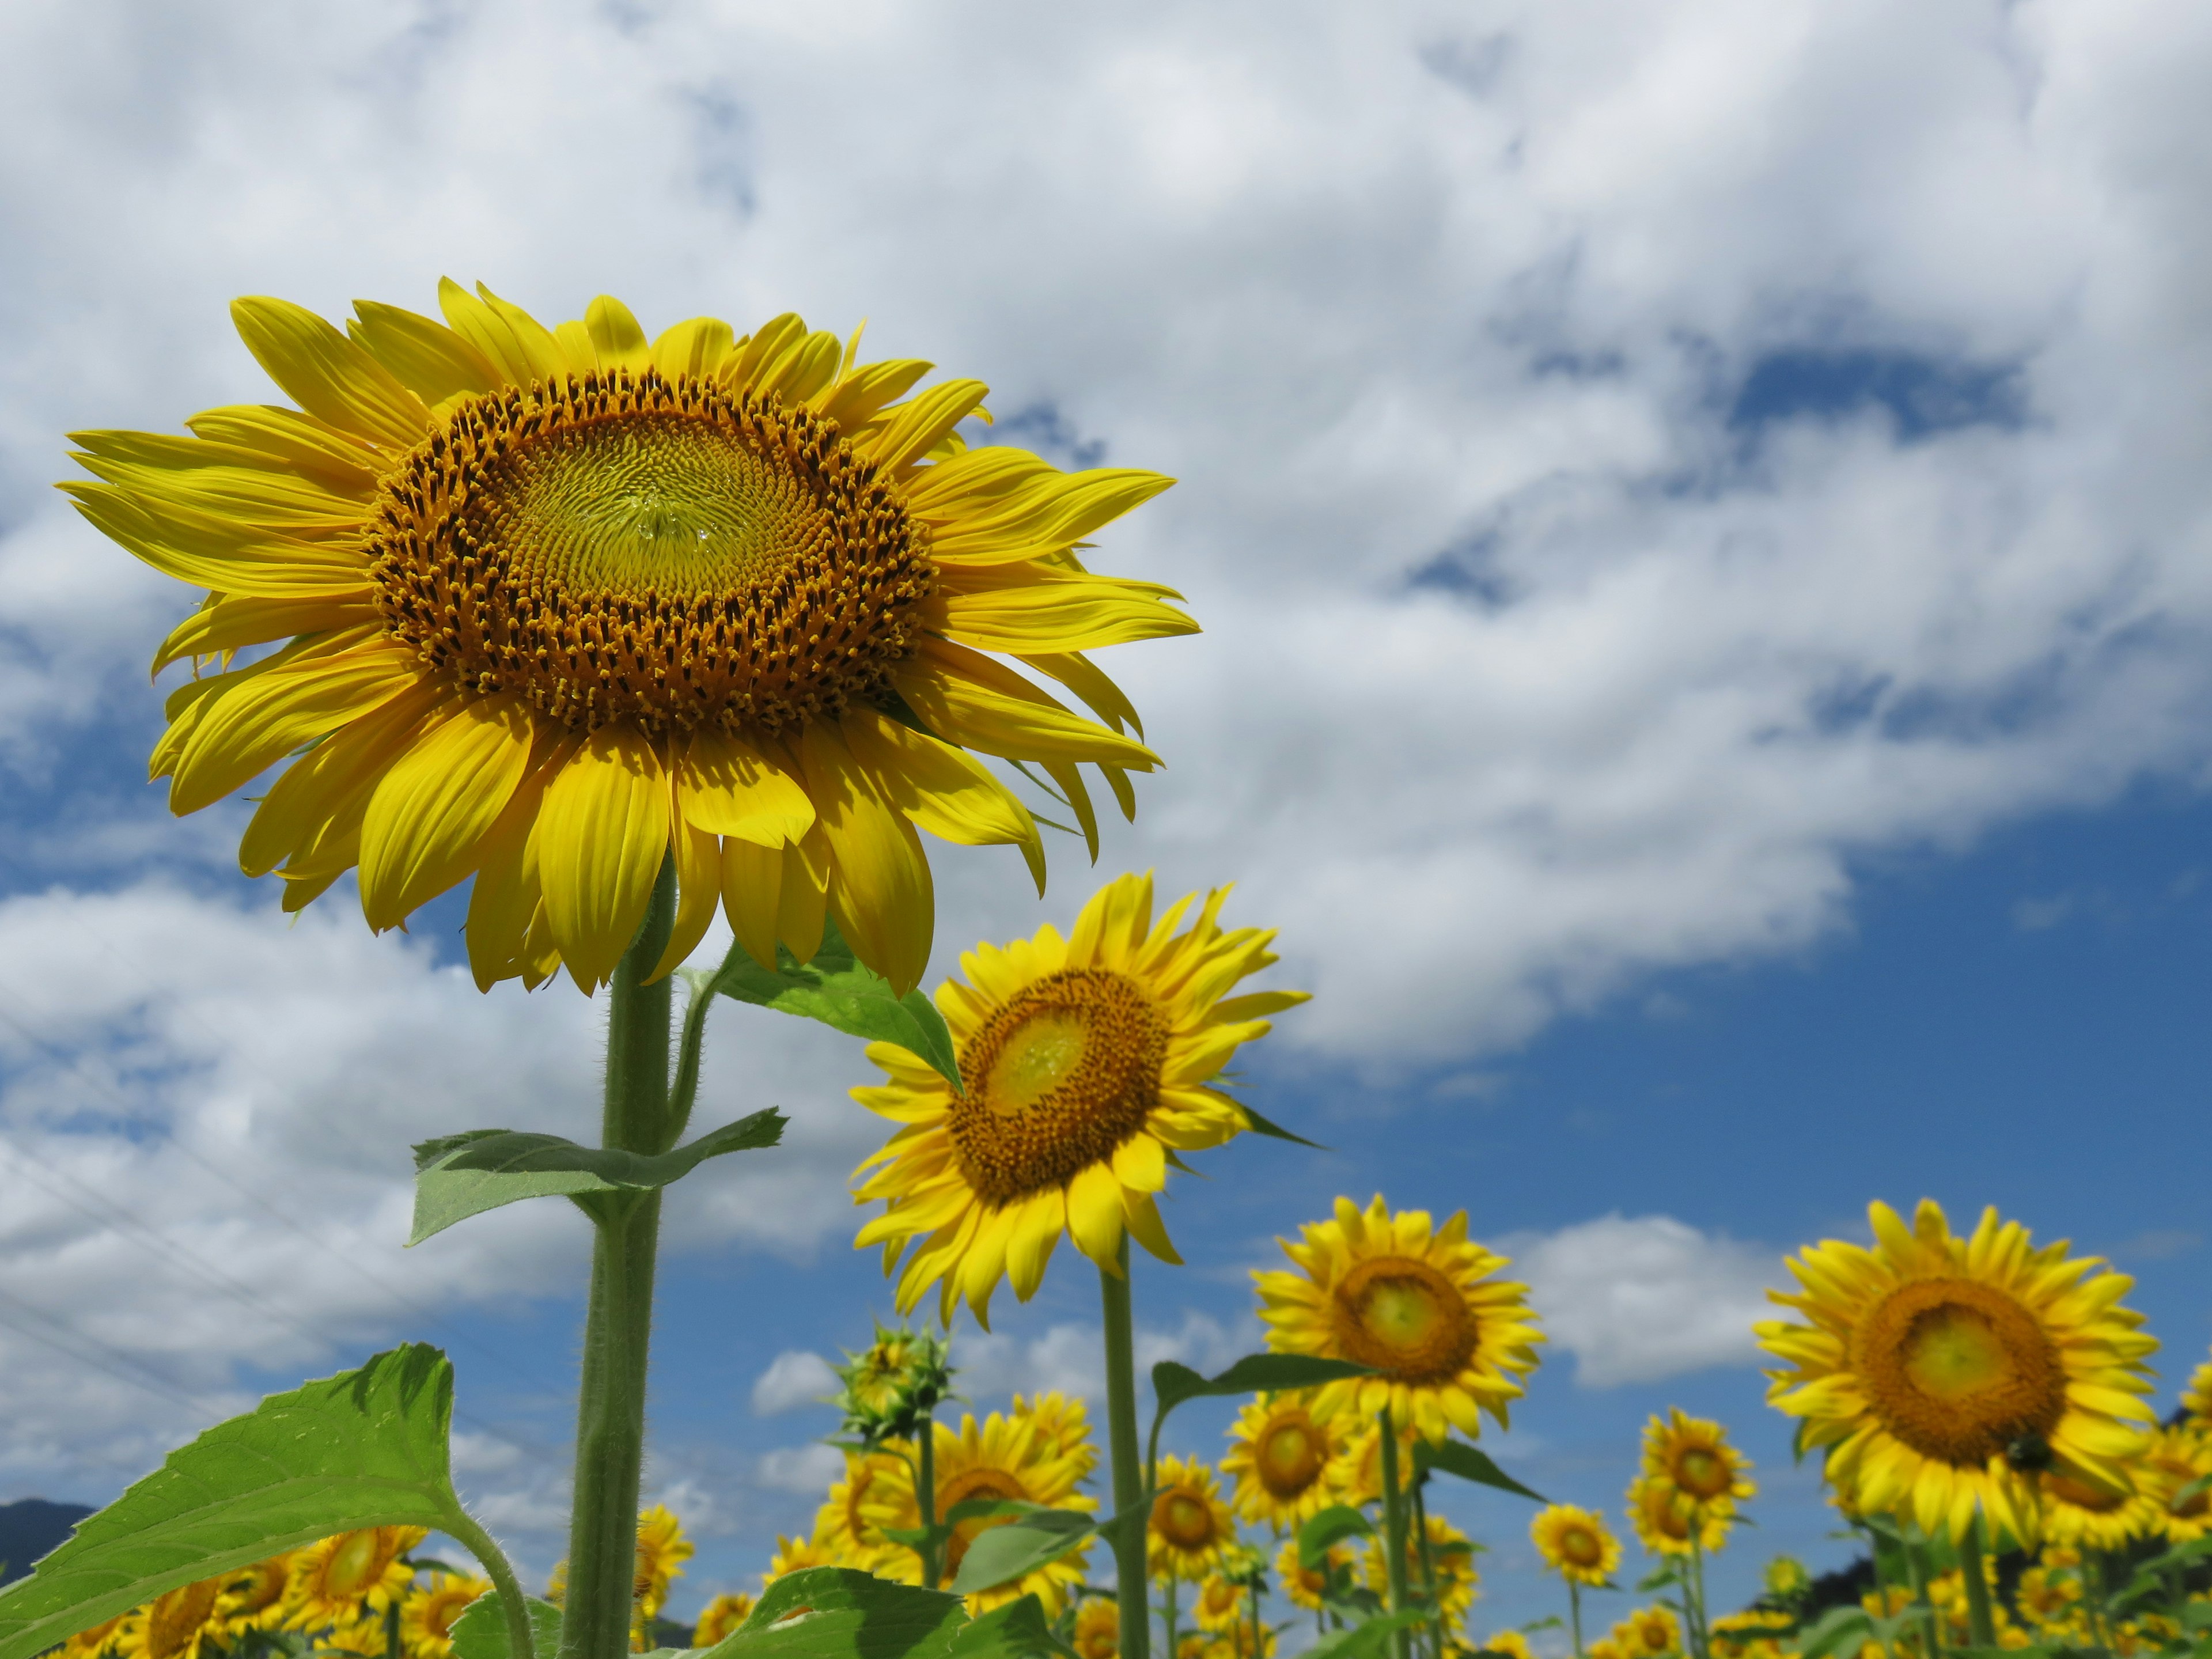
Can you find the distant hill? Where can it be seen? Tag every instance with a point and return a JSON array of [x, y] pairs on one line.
[[29, 1528]]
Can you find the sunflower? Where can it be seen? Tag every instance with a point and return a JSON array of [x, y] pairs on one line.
[[1220, 1603], [1663, 1518], [1694, 1455], [1649, 1633], [1360, 1476], [426, 1617], [1576, 1544], [1237, 1643], [662, 1550], [1451, 1556], [1197, 1644], [1288, 1468], [331, 1580], [1190, 1523], [176, 1626], [719, 1617], [561, 603], [1785, 1578], [844, 1524], [253, 1597], [1063, 1428], [796, 1555], [97, 1642], [1415, 1301], [1097, 1633], [1604, 1648], [2177, 1459], [1004, 1457], [1510, 1643], [1306, 1586], [1086, 1062], [2047, 1598], [353, 1638], [2196, 1397], [1942, 1373], [2103, 1517]]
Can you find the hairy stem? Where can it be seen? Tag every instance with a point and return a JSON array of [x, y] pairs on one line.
[[1393, 1529], [1128, 1472], [925, 1488], [595, 1621], [512, 1605]]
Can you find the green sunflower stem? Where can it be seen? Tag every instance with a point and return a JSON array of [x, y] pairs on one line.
[[595, 1621], [1393, 1529], [1575, 1614], [513, 1606], [1916, 1562], [1979, 1622], [1169, 1613], [1136, 1614], [1429, 1586], [925, 1488], [1693, 1598]]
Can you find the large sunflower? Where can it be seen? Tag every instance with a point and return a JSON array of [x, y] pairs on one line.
[[1576, 1544], [1414, 1301], [1097, 1632], [1944, 1374], [1694, 1455], [333, 1579], [557, 604], [253, 1597], [427, 1615], [1015, 1456], [846, 1524], [178, 1625], [1288, 1466], [1189, 1525], [1086, 1062]]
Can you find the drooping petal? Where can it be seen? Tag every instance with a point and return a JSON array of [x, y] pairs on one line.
[[427, 822], [602, 834]]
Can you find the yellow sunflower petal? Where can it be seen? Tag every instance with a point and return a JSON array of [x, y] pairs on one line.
[[602, 834]]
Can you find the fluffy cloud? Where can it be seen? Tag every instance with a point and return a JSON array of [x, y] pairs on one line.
[[793, 1380], [1637, 1299]]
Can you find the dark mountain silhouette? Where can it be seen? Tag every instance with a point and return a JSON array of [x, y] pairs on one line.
[[29, 1528]]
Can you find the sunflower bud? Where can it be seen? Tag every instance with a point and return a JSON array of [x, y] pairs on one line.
[[891, 1387]]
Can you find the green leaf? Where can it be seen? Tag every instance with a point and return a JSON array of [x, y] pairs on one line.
[[1468, 1463], [481, 1630], [1255, 1373], [1000, 1554], [1261, 1125], [1362, 1641], [1836, 1628], [835, 1612], [1658, 1578], [366, 1448], [1331, 1527], [835, 988], [1017, 1631], [460, 1176]]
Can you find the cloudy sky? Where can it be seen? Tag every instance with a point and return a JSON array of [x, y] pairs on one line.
[[1697, 514]]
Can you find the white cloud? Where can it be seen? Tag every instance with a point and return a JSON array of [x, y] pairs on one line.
[[1071, 1359], [1637, 1299], [794, 1379], [805, 1470]]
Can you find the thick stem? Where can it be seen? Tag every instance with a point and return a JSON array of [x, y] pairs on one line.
[[1916, 1562], [1128, 1472], [1428, 1565], [1980, 1626], [925, 1489], [1575, 1614], [595, 1621], [512, 1605], [1169, 1611], [1394, 1529], [1695, 1601]]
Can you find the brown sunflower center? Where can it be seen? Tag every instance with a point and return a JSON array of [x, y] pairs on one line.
[[1957, 1370], [1703, 1473], [1055, 1080], [1290, 1455], [670, 552], [1404, 1317], [1579, 1546], [976, 1483], [1184, 1518], [259, 1587], [2081, 1495], [179, 1616]]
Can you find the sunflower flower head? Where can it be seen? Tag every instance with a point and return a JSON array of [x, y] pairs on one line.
[[253, 1597], [1097, 1633], [1785, 1580], [1190, 1526], [1576, 1544], [1287, 1466], [2078, 1515], [662, 1550], [351, 1575], [889, 1387], [850, 1523], [1510, 1642], [179, 1625], [1649, 1633], [1945, 1376], [1085, 1064], [1415, 1301], [1310, 1587], [719, 1617], [427, 1614], [1220, 1603], [98, 1642], [1669, 1523], [1448, 1563], [551, 606], [2177, 1469], [796, 1555]]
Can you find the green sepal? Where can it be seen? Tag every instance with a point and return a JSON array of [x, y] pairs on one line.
[[1017, 1631], [367, 1448], [835, 1613], [481, 1630], [834, 987], [1468, 1463], [1323, 1531], [456, 1177]]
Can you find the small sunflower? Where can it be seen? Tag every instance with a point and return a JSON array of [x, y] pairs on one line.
[[1189, 1524], [2177, 1459], [1003, 1457], [1307, 1587], [2044, 1597], [2101, 1517], [720, 1616], [1360, 1476], [1510, 1643], [1220, 1603], [1198, 1644], [1604, 1647], [1062, 1425], [1414, 1301], [796, 1555], [1576, 1544], [1649, 1633], [334, 1580], [1941, 1374], [96, 1643], [845, 1523], [1237, 1642], [1786, 1579], [1097, 1633], [562, 603], [1665, 1521], [427, 1615], [2196, 1397], [662, 1550], [1694, 1455], [176, 1626], [1451, 1554], [1288, 1465], [1086, 1062], [353, 1638], [253, 1597]]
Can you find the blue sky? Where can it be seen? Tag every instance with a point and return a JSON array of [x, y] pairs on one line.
[[1698, 519]]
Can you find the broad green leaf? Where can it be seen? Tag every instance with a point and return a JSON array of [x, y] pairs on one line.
[[1363, 1641], [460, 1176], [835, 1612], [835, 988], [1468, 1463], [1845, 1626], [481, 1630], [366, 1448], [1000, 1554], [1017, 1631], [1331, 1527], [1255, 1373], [1658, 1578]]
